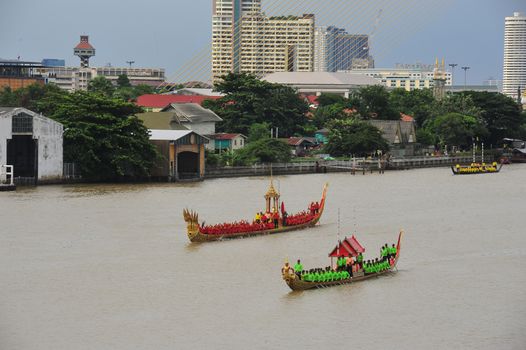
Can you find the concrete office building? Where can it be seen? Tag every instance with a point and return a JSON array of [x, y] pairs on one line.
[[514, 75], [408, 77]]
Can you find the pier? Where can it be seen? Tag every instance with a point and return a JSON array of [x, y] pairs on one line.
[[6, 178]]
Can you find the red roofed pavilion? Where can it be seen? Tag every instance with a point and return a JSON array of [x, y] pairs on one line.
[[349, 247]]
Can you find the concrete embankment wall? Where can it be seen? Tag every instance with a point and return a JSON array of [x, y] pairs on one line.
[[358, 166]]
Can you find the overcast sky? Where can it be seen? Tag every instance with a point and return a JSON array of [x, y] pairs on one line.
[[170, 33]]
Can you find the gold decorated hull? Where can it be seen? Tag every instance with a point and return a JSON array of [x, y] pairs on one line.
[[475, 169]]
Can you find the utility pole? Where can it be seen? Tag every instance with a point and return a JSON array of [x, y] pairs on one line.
[[465, 68], [130, 63], [452, 65]]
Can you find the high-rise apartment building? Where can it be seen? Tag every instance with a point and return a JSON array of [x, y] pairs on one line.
[[514, 75], [245, 40], [226, 22], [335, 50], [276, 44]]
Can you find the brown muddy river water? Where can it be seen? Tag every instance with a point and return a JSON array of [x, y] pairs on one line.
[[111, 267]]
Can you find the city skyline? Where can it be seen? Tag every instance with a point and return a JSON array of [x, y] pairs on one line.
[[469, 33]]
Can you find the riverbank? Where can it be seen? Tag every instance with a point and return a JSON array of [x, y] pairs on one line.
[[354, 166]]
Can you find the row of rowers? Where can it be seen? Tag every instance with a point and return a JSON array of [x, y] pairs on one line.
[[347, 266], [261, 222]]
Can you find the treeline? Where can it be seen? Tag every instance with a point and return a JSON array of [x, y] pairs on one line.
[[454, 120]]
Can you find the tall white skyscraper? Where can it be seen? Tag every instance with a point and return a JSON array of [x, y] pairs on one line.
[[514, 76]]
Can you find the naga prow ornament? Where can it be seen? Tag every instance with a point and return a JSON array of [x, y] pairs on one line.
[[192, 223]]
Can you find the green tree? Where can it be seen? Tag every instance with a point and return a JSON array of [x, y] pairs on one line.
[[354, 136], [325, 114], [250, 100], [258, 131], [142, 89], [373, 102], [456, 103], [417, 103], [123, 81], [425, 137], [125, 93], [327, 99], [102, 135], [8, 98], [28, 96], [102, 86], [265, 150], [455, 129], [501, 114]]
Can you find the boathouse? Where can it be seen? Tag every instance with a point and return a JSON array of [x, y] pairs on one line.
[[32, 144], [182, 154], [401, 135]]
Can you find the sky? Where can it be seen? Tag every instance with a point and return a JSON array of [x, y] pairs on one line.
[[176, 34]]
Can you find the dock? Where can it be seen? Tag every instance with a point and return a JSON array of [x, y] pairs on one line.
[[6, 178]]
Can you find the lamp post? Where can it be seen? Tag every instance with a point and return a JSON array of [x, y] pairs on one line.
[[452, 65], [465, 68]]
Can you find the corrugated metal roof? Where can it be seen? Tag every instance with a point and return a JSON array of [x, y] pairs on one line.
[[224, 136], [192, 113], [160, 121], [200, 92], [161, 101], [168, 135], [6, 109]]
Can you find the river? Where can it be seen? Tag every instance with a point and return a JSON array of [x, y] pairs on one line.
[[111, 267]]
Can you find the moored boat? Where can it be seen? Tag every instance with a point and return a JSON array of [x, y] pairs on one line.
[[279, 222], [346, 248], [476, 168]]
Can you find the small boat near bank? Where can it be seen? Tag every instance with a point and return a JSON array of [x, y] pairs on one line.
[[476, 168], [346, 248], [279, 224]]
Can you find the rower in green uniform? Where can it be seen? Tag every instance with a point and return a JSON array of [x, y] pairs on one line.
[[298, 268], [393, 250], [359, 258]]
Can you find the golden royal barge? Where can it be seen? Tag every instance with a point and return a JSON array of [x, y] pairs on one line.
[[197, 233]]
